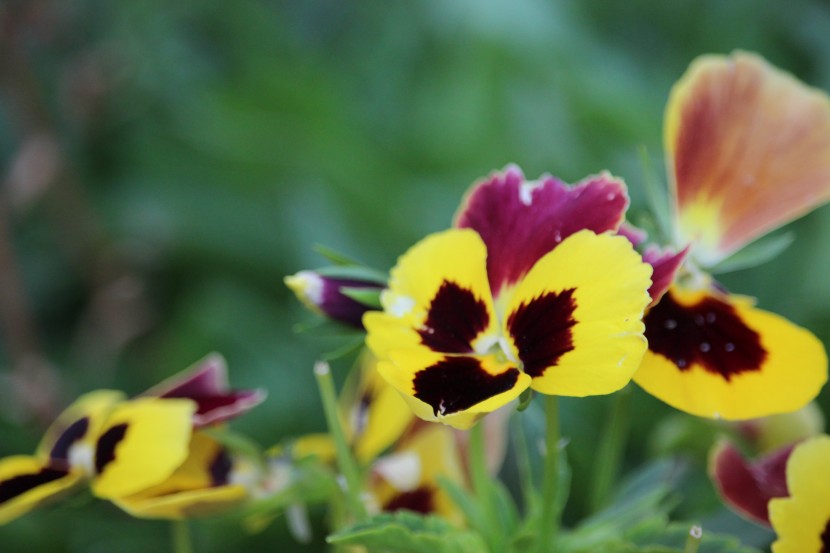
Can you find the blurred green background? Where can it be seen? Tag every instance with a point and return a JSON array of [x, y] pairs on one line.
[[165, 164]]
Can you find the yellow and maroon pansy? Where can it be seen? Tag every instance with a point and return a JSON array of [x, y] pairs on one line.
[[748, 150], [206, 383], [802, 520], [748, 147], [202, 485], [566, 318], [716, 355], [748, 486], [27, 481]]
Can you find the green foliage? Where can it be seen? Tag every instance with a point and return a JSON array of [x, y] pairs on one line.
[[407, 532]]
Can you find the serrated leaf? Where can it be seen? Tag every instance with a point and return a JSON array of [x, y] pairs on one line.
[[466, 503], [674, 536], [406, 532], [757, 253]]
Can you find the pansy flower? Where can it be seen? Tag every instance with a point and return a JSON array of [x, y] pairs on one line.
[[531, 291], [802, 519], [748, 150], [126, 447]]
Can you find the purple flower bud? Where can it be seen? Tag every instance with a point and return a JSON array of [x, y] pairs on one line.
[[335, 297]]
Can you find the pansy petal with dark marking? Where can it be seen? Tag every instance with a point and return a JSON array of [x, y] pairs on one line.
[[206, 383], [141, 444], [438, 298], [747, 487], [748, 148], [26, 482], [520, 221], [802, 520], [454, 389], [71, 438], [715, 355], [575, 321], [200, 486]]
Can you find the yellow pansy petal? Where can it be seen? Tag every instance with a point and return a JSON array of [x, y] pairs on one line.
[[714, 355], [78, 426], [374, 412], [141, 444], [200, 486], [438, 297], [802, 520], [575, 321], [26, 482], [748, 148], [453, 389]]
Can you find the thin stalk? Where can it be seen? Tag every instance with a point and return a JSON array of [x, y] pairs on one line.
[[345, 460], [694, 539], [611, 446], [549, 522], [181, 537], [483, 491], [523, 464]]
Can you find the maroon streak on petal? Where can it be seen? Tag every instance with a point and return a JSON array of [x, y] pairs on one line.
[[541, 330], [521, 221], [22, 483], [73, 433], [747, 487], [665, 264], [709, 333], [454, 319], [457, 383], [206, 383]]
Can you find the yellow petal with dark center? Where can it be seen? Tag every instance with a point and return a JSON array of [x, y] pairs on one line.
[[802, 520], [26, 482], [374, 413], [715, 355], [78, 427], [748, 150], [438, 298], [454, 389], [199, 487], [141, 444], [575, 321]]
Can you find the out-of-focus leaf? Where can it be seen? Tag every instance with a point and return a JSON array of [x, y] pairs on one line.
[[757, 253], [406, 532], [367, 296]]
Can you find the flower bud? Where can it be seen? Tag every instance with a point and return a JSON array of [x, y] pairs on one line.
[[337, 294]]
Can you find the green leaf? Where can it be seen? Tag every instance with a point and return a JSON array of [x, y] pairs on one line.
[[674, 536], [756, 253], [370, 297], [406, 532], [335, 256], [524, 400], [354, 272], [658, 198]]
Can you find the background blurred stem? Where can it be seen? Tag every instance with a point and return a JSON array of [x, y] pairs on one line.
[[523, 464], [181, 537], [610, 450], [345, 460], [483, 490], [549, 521]]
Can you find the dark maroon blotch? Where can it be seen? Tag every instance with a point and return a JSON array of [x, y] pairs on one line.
[[71, 434], [541, 330], [18, 485], [825, 539], [220, 468], [458, 383], [709, 333], [454, 319], [420, 500], [105, 448]]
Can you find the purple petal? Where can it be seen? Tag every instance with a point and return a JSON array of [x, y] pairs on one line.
[[520, 221], [665, 264], [747, 487], [206, 383], [635, 235]]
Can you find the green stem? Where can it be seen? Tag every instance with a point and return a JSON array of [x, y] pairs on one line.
[[549, 522], [345, 461], [483, 490], [611, 446], [693, 541], [181, 537], [523, 464]]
